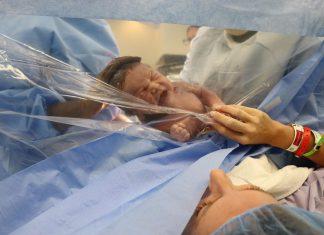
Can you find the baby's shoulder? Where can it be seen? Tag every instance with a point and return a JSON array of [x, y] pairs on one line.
[[185, 87]]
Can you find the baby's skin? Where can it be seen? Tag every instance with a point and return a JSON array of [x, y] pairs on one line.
[[151, 86]]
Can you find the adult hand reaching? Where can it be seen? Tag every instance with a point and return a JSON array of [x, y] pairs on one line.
[[250, 126]]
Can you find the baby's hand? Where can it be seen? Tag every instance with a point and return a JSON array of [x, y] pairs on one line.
[[180, 132]]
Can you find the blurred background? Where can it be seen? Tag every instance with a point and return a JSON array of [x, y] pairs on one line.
[[162, 46]]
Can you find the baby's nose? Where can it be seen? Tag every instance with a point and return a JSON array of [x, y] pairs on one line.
[[164, 82]]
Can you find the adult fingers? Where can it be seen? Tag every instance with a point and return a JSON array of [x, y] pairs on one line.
[[229, 122], [236, 112], [248, 110], [238, 137]]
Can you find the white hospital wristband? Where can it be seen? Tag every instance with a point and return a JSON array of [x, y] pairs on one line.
[[299, 130]]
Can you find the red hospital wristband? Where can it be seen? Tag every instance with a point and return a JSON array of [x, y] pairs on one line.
[[305, 142]]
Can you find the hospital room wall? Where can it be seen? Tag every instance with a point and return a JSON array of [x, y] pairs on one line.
[[149, 40]]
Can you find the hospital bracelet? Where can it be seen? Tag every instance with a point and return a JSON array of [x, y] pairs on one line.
[[319, 141], [298, 130], [307, 135]]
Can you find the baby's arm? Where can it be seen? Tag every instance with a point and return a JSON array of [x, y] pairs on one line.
[[208, 98]]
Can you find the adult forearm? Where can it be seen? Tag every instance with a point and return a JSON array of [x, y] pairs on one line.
[[283, 136], [251, 126]]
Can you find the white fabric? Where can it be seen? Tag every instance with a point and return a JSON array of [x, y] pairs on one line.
[[234, 70], [261, 172]]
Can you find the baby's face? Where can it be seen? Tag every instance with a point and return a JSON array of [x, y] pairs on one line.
[[147, 84]]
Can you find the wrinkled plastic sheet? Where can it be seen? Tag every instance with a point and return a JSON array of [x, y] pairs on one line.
[[58, 78], [284, 16], [133, 168], [31, 81], [27, 135], [244, 73], [181, 191], [86, 44], [63, 80], [119, 186]]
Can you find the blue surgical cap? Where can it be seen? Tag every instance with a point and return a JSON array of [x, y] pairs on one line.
[[275, 219]]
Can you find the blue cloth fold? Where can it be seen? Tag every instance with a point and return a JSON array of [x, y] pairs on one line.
[[282, 16]]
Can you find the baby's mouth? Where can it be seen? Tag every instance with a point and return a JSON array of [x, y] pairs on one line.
[[162, 98]]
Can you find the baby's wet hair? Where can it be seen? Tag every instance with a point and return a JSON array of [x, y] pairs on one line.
[[115, 72]]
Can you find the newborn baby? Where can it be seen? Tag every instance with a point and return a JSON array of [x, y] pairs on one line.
[[130, 75]]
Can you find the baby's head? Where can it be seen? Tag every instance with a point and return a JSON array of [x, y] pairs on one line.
[[130, 75]]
